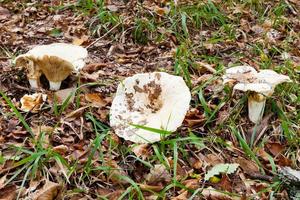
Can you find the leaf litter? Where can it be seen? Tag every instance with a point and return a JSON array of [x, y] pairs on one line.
[[79, 156]]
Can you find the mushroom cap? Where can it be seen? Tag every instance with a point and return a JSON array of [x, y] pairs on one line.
[[156, 100], [55, 68], [29, 63], [272, 78], [248, 79], [243, 73], [262, 88], [69, 52]]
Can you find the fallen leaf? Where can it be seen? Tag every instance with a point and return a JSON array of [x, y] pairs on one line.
[[4, 13], [80, 41], [112, 8], [195, 163], [275, 148], [96, 99], [247, 165], [191, 184], [111, 195], [49, 191], [221, 168], [62, 95], [157, 174], [142, 151], [212, 159], [61, 149], [116, 172], [281, 160], [182, 196], [225, 183], [8, 193], [211, 193], [75, 114], [32, 103], [194, 117], [161, 11], [155, 188]]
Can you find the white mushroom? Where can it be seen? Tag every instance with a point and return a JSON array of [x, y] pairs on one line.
[[262, 85], [157, 100], [56, 61]]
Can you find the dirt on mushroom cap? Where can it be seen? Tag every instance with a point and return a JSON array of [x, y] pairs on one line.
[[156, 100]]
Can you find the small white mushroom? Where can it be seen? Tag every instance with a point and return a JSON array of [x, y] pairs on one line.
[[156, 100], [56, 61], [262, 85]]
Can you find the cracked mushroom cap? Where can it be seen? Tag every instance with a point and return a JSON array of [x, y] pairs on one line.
[[156, 100]]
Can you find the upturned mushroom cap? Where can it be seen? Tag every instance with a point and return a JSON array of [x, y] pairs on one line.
[[55, 68], [69, 52], [56, 61], [156, 100]]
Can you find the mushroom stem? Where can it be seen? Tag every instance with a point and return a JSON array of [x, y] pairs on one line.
[[34, 83], [256, 107], [54, 85]]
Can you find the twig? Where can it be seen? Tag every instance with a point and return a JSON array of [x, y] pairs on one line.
[[97, 40], [290, 7], [207, 66]]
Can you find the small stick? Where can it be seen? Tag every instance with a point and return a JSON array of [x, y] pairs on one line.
[[290, 7], [97, 40]]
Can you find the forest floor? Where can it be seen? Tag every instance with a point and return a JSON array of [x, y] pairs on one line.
[[67, 150]]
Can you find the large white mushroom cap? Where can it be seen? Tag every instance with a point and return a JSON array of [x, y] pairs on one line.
[[262, 83], [156, 100], [72, 53]]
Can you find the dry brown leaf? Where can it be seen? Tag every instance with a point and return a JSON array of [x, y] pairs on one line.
[[111, 195], [275, 148], [142, 151], [49, 191], [157, 174], [195, 163], [263, 154], [191, 184], [4, 13], [115, 172], [194, 117], [211, 193], [281, 160], [182, 196], [63, 95], [80, 41], [75, 114], [247, 165], [61, 149], [8, 193], [96, 99], [212, 159], [155, 188], [225, 183], [42, 129], [161, 11]]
